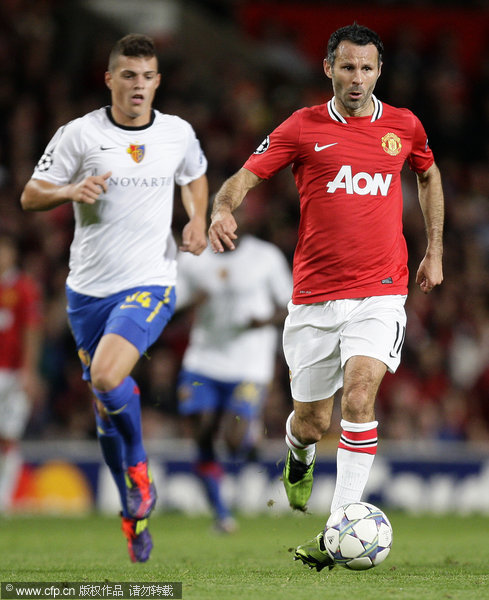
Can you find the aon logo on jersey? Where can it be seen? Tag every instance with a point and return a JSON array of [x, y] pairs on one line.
[[360, 183]]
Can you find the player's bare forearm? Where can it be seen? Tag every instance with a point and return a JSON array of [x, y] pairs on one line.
[[43, 195], [228, 198], [431, 200], [195, 199], [233, 191], [430, 192]]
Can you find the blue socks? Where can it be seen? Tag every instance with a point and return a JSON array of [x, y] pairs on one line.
[[113, 452], [210, 473], [123, 407]]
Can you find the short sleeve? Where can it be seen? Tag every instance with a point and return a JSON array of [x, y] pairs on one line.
[[278, 150], [61, 159], [420, 158], [194, 162]]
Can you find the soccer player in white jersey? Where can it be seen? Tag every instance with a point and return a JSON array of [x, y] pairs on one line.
[[117, 166], [239, 298], [346, 320]]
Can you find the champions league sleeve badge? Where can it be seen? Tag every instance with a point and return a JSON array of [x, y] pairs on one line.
[[45, 162], [263, 147]]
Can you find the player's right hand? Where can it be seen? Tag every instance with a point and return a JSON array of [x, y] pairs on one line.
[[222, 231], [88, 190]]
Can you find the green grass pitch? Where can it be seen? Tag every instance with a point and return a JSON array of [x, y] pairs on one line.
[[432, 557]]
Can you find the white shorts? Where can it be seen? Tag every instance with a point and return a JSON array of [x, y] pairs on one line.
[[14, 406], [319, 338]]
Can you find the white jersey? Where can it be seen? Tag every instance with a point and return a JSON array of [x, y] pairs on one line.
[[123, 240], [247, 283]]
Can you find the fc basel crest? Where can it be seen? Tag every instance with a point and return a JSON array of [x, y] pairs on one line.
[[391, 144], [136, 151]]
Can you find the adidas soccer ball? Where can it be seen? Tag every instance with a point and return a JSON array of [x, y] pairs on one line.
[[358, 536]]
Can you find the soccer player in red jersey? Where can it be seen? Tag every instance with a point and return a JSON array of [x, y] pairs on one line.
[[346, 321], [20, 342]]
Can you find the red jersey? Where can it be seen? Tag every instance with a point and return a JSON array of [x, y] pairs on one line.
[[19, 309], [348, 174]]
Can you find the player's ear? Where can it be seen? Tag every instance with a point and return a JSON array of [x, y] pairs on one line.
[[380, 70], [327, 68], [158, 80], [108, 79]]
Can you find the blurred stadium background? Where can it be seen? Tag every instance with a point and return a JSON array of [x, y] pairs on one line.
[[235, 69]]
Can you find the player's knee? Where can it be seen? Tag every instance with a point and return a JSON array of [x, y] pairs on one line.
[[357, 407], [104, 381]]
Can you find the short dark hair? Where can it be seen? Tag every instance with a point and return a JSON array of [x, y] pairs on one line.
[[357, 34], [132, 44]]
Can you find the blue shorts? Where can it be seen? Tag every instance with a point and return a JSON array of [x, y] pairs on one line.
[[197, 394], [139, 315]]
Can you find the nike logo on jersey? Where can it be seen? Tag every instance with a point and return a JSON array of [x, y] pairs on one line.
[[107, 147], [319, 148]]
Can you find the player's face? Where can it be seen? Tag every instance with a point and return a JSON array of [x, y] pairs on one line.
[[133, 83], [354, 74]]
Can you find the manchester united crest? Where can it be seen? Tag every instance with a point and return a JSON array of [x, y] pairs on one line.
[[136, 151], [391, 144]]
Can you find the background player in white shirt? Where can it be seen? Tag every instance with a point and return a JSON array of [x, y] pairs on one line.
[[118, 165], [346, 320], [239, 299]]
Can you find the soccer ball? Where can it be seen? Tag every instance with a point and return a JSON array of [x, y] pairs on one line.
[[358, 536]]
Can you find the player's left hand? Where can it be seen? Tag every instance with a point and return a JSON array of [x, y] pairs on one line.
[[222, 231], [430, 273], [194, 239]]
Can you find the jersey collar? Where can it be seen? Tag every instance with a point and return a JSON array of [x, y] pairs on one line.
[[335, 115], [128, 127]]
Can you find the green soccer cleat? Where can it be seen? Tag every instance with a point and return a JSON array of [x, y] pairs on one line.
[[297, 478], [314, 554]]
